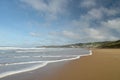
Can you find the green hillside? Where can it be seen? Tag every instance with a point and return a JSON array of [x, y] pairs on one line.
[[111, 44], [105, 44]]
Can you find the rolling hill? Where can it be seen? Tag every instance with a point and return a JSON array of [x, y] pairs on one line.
[[104, 44]]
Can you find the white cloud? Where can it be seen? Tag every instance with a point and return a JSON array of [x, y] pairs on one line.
[[78, 29], [82, 22], [51, 9], [85, 31], [70, 34], [34, 34], [92, 14], [113, 24], [95, 13], [99, 13], [109, 12], [88, 3], [100, 34], [95, 34]]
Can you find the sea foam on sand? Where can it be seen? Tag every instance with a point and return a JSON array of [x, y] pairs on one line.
[[40, 66]]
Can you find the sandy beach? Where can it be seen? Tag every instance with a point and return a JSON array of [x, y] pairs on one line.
[[103, 64]]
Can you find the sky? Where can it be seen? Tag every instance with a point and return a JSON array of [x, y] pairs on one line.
[[58, 22]]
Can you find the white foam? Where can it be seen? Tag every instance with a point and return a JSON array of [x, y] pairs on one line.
[[31, 62], [24, 51], [19, 48], [44, 56], [33, 68], [24, 63], [38, 66], [61, 56], [20, 71], [21, 56]]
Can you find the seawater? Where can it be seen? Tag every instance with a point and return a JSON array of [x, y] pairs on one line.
[[17, 60]]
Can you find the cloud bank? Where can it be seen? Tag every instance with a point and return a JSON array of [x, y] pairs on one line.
[[88, 20]]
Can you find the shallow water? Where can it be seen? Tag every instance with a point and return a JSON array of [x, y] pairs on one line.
[[17, 60]]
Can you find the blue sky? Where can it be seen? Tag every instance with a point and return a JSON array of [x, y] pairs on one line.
[[57, 22]]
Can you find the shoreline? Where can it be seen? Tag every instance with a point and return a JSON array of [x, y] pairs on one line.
[[103, 64], [40, 66]]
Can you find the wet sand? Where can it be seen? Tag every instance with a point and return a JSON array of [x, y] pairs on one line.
[[103, 64]]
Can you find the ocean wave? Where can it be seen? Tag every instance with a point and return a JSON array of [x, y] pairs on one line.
[[19, 48], [41, 56], [44, 63], [21, 63], [22, 70], [69, 57]]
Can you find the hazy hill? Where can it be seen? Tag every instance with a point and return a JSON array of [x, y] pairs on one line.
[[111, 44], [105, 44]]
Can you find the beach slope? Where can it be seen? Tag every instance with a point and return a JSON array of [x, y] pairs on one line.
[[104, 64]]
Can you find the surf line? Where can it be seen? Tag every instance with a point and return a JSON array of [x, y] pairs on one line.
[[39, 66]]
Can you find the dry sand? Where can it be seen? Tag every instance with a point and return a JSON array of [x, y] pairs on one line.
[[104, 64]]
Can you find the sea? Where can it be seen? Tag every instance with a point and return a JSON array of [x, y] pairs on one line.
[[15, 60]]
